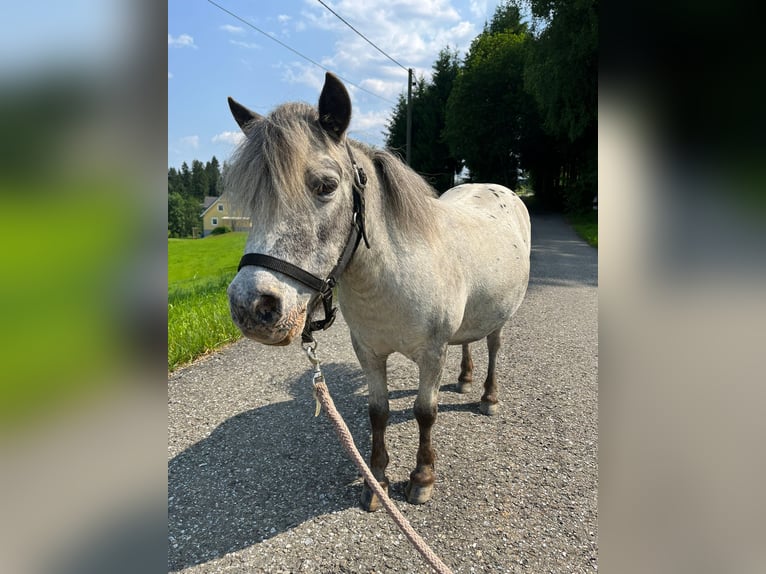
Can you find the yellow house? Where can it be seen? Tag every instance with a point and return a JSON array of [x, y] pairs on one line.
[[217, 212]]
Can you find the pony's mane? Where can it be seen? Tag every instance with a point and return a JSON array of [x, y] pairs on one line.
[[406, 195]]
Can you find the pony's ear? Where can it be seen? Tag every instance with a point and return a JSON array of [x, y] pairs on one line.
[[242, 115], [334, 107]]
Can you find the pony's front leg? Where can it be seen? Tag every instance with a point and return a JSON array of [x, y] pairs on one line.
[[421, 483], [374, 367]]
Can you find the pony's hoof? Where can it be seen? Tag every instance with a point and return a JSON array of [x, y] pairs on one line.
[[487, 408], [370, 500], [464, 387], [417, 494]]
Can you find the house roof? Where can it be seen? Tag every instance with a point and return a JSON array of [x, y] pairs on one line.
[[208, 202]]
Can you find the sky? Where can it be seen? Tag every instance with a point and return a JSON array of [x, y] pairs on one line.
[[212, 55]]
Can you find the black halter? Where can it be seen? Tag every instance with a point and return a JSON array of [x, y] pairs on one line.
[[323, 287]]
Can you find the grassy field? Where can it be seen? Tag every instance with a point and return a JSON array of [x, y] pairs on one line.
[[199, 271], [200, 260]]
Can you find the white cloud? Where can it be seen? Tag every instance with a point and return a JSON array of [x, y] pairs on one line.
[[412, 33], [182, 41], [232, 138], [190, 141], [369, 123], [389, 89], [479, 8], [232, 29], [307, 74], [170, 75], [248, 45], [283, 18]]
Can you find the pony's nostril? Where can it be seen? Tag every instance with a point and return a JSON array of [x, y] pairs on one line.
[[268, 309]]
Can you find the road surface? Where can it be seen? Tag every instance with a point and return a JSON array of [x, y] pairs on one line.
[[257, 484]]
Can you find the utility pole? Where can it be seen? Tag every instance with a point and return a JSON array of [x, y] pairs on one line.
[[409, 115]]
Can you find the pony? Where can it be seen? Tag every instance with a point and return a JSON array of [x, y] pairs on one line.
[[415, 272]]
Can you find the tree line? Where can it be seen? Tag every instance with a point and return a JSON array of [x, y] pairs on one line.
[[187, 189], [523, 101]]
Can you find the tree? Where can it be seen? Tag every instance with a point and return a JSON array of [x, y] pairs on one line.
[[213, 172], [561, 74], [487, 104], [439, 161], [430, 154], [176, 217], [174, 181], [561, 70], [186, 191], [185, 179], [199, 182], [183, 215]]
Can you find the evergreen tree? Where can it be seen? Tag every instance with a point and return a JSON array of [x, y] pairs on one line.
[[185, 179], [396, 129], [199, 182], [174, 181], [213, 172]]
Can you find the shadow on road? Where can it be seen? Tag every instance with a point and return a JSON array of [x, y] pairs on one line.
[[266, 470], [262, 472]]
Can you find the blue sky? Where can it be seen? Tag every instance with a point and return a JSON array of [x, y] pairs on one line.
[[212, 55]]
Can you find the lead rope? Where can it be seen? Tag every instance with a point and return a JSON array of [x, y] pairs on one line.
[[323, 399]]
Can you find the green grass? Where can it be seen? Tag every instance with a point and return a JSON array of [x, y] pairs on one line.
[[586, 226], [199, 270], [193, 261]]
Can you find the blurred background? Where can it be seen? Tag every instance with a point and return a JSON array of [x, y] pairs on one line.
[[82, 295], [83, 160], [682, 302]]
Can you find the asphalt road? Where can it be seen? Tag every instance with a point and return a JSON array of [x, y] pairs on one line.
[[257, 484]]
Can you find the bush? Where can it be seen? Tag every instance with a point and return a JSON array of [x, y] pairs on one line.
[[220, 230]]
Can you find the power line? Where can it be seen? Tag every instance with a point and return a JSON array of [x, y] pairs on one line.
[[294, 51], [409, 79], [361, 35]]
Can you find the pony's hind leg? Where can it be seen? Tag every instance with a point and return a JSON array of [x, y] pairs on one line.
[[488, 405], [465, 380]]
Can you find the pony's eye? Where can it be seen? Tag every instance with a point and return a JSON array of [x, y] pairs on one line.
[[326, 188]]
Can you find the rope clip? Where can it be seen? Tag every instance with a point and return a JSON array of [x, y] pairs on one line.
[[317, 377]]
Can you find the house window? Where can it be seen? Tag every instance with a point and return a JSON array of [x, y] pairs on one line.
[[214, 221], [220, 207]]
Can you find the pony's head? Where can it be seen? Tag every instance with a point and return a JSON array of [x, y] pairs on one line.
[[293, 175]]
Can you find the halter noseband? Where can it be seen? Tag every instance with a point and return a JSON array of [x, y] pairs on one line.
[[322, 287]]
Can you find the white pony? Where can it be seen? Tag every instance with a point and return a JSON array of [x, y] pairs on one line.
[[437, 272]]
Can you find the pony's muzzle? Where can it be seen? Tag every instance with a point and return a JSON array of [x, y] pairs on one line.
[[264, 316]]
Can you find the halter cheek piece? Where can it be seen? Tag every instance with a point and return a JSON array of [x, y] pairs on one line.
[[322, 287]]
